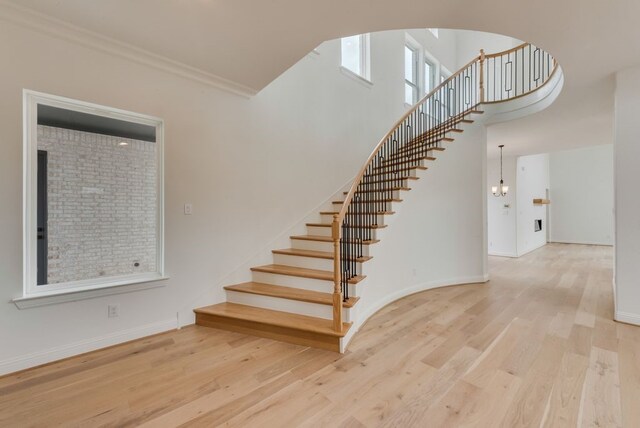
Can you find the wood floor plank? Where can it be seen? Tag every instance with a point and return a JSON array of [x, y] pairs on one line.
[[535, 346], [564, 402], [629, 359], [600, 406]]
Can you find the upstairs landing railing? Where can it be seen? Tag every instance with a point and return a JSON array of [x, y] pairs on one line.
[[486, 79]]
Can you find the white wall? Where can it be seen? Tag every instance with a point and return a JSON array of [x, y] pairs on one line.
[[532, 174], [252, 168], [581, 180], [511, 230], [469, 43], [627, 203], [502, 221]]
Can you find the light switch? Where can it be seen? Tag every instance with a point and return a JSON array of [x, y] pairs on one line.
[[188, 209]]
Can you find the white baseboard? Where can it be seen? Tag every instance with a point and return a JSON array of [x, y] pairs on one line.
[[375, 307], [500, 254], [627, 317], [53, 354], [529, 250], [581, 243]]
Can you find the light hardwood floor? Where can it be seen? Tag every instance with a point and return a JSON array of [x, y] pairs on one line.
[[536, 346]]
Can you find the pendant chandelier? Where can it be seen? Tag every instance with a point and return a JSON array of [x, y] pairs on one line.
[[500, 190]]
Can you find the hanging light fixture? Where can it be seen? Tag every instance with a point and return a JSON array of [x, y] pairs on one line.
[[502, 188]]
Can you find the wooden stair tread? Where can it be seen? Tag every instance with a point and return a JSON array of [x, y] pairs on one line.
[[399, 172], [314, 254], [412, 146], [325, 275], [274, 318], [390, 168], [290, 293], [366, 182], [392, 189], [321, 238], [373, 226], [389, 162], [337, 212], [370, 201]]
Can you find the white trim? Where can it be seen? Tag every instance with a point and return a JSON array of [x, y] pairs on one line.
[[435, 65], [627, 317], [365, 57], [57, 353], [73, 295], [355, 76], [388, 299], [31, 100], [581, 243], [418, 51], [501, 254], [54, 27]]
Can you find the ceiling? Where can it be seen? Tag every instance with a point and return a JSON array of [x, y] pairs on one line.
[[251, 42]]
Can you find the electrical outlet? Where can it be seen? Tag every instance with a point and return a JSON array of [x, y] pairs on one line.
[[188, 209], [113, 311]]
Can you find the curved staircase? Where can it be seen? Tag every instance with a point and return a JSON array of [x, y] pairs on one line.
[[309, 292]]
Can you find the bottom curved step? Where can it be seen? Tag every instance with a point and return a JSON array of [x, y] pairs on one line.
[[283, 326]]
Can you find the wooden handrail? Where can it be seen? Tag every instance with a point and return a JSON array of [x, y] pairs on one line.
[[508, 51], [356, 182], [480, 98]]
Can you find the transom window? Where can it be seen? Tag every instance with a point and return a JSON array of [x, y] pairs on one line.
[[355, 55]]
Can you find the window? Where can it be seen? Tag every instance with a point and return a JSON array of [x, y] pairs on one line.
[[93, 197], [411, 89], [434, 31], [444, 74], [355, 55], [429, 76]]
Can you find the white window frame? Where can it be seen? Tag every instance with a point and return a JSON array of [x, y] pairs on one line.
[[444, 73], [434, 32], [417, 51], [365, 58], [435, 66], [31, 290]]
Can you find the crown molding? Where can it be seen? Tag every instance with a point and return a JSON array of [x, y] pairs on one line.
[[63, 30]]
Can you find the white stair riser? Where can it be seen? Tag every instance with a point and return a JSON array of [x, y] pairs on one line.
[[400, 168], [389, 206], [399, 183], [303, 244], [326, 231], [430, 152], [298, 282], [319, 231], [286, 305], [326, 218], [303, 262], [307, 262], [411, 172], [395, 194]]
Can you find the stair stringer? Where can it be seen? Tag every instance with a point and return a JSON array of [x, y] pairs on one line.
[[433, 207], [437, 236]]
